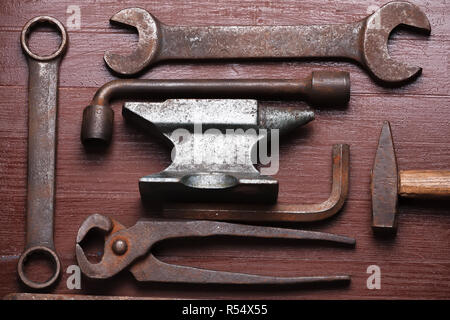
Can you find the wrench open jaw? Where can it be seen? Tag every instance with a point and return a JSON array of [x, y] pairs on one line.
[[149, 32], [131, 247], [377, 29], [364, 41]]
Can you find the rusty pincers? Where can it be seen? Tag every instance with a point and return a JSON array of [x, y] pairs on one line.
[[123, 247]]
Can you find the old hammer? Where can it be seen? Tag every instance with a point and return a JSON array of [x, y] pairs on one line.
[[388, 183]]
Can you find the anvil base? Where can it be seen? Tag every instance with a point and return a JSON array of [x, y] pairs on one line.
[[212, 187]]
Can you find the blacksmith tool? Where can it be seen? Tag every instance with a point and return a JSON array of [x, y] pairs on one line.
[[364, 41], [42, 111], [214, 147], [388, 183], [213, 166], [321, 88], [131, 248]]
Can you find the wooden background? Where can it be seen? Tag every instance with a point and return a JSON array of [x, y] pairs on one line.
[[415, 264]]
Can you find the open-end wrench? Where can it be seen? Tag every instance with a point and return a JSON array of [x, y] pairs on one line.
[[42, 109], [364, 41]]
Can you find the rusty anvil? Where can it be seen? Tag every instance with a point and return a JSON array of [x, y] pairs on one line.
[[214, 147], [388, 183]]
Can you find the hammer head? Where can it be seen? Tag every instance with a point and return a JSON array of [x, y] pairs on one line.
[[385, 184]]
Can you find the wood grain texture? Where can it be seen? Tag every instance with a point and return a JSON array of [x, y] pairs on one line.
[[424, 183], [415, 264]]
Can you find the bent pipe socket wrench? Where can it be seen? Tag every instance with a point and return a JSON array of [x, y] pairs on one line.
[[321, 88], [214, 147], [388, 183], [42, 116], [131, 248], [364, 41]]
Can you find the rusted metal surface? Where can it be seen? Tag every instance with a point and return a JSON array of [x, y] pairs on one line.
[[364, 41], [214, 147], [388, 183], [43, 103], [321, 88], [277, 212], [47, 296], [385, 183], [141, 238]]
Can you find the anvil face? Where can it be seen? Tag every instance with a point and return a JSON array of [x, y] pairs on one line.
[[214, 149]]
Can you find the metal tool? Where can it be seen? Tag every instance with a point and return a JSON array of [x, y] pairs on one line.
[[321, 88], [364, 41], [277, 212], [71, 297], [214, 147], [216, 175], [42, 110], [131, 248], [388, 183]]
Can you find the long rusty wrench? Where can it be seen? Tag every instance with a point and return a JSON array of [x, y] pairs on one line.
[[42, 109], [364, 41], [131, 247]]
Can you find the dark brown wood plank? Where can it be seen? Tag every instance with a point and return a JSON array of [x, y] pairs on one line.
[[95, 15], [399, 280], [415, 264]]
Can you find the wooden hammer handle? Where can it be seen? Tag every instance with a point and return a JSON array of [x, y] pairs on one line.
[[424, 183]]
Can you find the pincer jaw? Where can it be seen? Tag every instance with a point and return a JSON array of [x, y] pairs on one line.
[[93, 271], [95, 221], [99, 270]]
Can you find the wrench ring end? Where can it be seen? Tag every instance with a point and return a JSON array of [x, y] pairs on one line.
[[44, 19], [48, 253]]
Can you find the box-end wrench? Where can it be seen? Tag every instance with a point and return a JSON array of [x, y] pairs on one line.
[[42, 110], [364, 41]]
